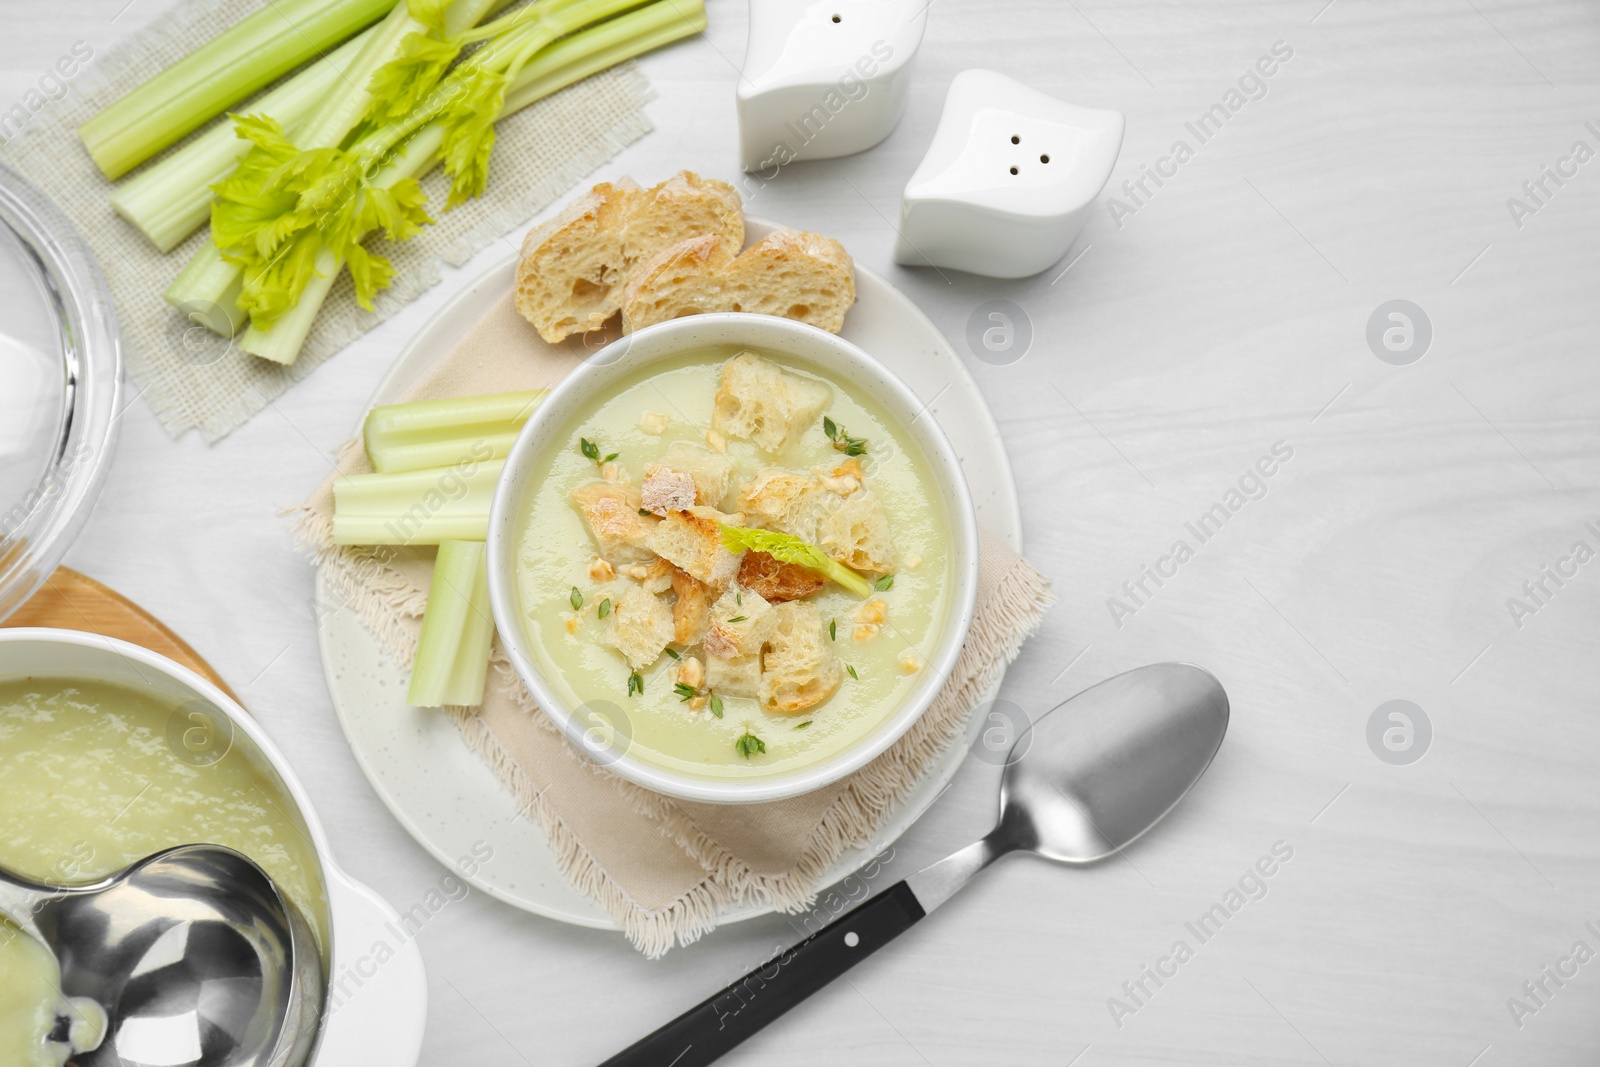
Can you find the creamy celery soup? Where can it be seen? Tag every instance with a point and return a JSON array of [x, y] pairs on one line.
[[710, 656], [91, 781]]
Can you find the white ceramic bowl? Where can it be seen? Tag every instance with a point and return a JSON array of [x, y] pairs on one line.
[[809, 348], [378, 999]]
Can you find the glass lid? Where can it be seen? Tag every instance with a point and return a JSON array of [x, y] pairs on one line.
[[60, 387]]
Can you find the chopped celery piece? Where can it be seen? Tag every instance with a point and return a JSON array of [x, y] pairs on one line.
[[418, 529], [450, 490], [787, 548], [226, 70], [421, 507], [452, 661], [421, 455], [437, 433]]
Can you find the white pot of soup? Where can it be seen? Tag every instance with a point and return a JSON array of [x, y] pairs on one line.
[[110, 752], [732, 557]]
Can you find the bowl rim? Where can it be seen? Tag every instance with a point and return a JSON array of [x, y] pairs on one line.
[[773, 333]]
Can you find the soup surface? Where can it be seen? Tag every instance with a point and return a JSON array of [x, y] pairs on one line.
[[94, 777], [571, 584]]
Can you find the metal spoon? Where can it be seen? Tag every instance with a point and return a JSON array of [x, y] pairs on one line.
[[1083, 782], [193, 955]]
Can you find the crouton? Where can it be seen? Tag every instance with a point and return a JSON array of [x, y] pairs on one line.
[[640, 627], [692, 540], [738, 676], [611, 511], [776, 581], [739, 622], [855, 531], [657, 578], [760, 402], [798, 668], [783, 500], [691, 612], [711, 471], [665, 489]]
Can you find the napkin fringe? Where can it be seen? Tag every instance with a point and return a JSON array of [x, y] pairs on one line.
[[1015, 613], [650, 930], [361, 581]]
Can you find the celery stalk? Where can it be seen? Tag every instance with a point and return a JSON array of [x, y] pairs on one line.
[[553, 68], [169, 200], [227, 69], [466, 489], [437, 433], [207, 292], [452, 662], [420, 528], [327, 126]]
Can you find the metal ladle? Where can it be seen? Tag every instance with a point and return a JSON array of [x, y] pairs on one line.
[[192, 954]]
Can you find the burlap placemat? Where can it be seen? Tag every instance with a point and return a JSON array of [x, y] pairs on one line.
[[664, 869], [196, 381]]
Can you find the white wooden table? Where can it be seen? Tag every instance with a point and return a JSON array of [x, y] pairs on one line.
[[1225, 314]]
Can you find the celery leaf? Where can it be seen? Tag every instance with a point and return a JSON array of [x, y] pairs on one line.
[[786, 548]]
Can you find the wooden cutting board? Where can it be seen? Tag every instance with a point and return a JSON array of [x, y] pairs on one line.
[[72, 601]]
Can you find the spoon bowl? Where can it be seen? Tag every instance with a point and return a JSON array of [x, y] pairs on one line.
[[189, 958], [1102, 769], [1083, 782]]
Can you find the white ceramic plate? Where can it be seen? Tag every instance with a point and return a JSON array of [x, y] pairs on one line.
[[445, 796]]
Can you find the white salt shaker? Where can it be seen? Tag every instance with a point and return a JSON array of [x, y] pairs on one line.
[[1008, 181], [824, 78]]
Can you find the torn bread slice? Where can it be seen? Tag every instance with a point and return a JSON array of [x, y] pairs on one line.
[[790, 273], [611, 511], [692, 540], [798, 669], [760, 402], [573, 267], [684, 206]]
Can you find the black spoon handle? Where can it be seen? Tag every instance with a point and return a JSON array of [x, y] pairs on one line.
[[703, 1033]]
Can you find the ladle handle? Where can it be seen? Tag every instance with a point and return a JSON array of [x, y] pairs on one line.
[[703, 1033]]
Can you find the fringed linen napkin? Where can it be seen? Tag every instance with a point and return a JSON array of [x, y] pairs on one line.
[[664, 869]]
